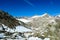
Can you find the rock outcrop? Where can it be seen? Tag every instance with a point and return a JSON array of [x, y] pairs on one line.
[[8, 20]]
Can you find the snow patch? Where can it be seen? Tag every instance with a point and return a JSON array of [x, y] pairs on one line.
[[35, 16], [24, 20], [1, 35], [36, 38], [22, 29]]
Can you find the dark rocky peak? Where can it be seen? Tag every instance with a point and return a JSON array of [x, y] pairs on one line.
[[8, 20]]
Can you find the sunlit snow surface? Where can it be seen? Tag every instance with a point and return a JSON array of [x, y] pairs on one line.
[[22, 29], [1, 35], [24, 20], [36, 38]]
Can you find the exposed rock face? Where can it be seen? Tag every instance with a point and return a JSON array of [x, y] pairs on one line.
[[8, 20]]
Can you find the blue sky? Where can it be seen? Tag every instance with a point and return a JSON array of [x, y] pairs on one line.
[[30, 7]]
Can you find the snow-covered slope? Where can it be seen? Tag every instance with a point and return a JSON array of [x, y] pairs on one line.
[[22, 29], [18, 29]]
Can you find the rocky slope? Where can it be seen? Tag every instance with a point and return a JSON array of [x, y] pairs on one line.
[[9, 25], [8, 20]]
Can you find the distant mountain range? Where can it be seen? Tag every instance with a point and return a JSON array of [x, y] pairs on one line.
[[40, 25]]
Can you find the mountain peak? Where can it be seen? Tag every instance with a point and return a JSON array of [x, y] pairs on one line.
[[35, 16], [45, 15]]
